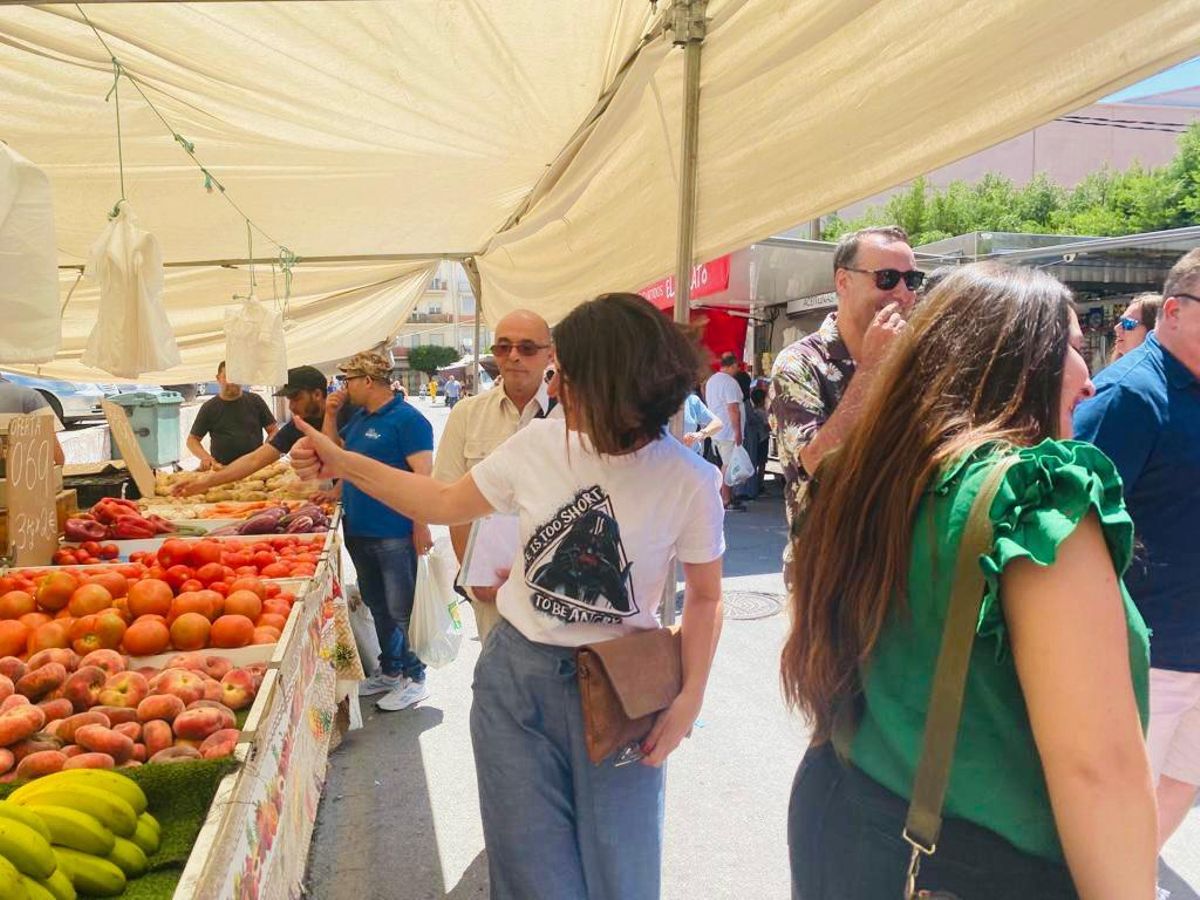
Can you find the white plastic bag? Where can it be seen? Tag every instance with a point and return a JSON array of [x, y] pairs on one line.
[[255, 352], [29, 301], [435, 630], [740, 467], [132, 334]]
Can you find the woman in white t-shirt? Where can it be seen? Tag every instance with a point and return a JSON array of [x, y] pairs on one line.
[[605, 500]]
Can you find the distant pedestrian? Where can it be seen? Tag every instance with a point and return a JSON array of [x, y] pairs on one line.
[[433, 390], [1135, 324], [1146, 418], [1049, 792], [452, 390], [723, 396], [699, 423], [758, 438]]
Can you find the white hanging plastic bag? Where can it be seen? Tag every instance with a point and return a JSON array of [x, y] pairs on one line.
[[435, 630], [132, 334], [740, 468], [255, 352], [29, 304]]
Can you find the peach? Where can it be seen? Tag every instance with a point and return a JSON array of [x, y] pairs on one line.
[[211, 665], [37, 684], [110, 661], [20, 723], [265, 635], [90, 761], [185, 685], [67, 728], [213, 690], [126, 689], [99, 739], [197, 724], [131, 730], [226, 713], [157, 736], [238, 688], [139, 754], [35, 743], [176, 755], [58, 708], [219, 743], [65, 657], [160, 706], [84, 686], [7, 760], [118, 714], [12, 667], [14, 701], [72, 750], [53, 727], [194, 743], [148, 672], [7, 688], [35, 765], [130, 764]]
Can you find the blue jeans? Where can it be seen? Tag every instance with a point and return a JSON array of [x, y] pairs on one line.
[[387, 577], [556, 826]]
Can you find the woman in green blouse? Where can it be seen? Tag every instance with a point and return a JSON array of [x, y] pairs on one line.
[[1050, 792]]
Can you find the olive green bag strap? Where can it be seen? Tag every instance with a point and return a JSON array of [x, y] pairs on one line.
[[924, 821]]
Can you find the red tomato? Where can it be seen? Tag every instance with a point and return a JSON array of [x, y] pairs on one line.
[[263, 558], [220, 587], [91, 548], [210, 572], [109, 551], [173, 552], [237, 560], [175, 576], [192, 584], [246, 571], [276, 570]]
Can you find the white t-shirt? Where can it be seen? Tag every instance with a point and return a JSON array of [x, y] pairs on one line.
[[721, 390], [597, 531]]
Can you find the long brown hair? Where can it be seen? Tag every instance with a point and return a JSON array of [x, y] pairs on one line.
[[981, 361], [625, 369]]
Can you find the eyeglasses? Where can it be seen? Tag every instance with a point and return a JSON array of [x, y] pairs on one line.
[[1185, 297], [525, 348], [1127, 324], [886, 279]]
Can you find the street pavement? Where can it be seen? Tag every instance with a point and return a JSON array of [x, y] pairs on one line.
[[399, 819]]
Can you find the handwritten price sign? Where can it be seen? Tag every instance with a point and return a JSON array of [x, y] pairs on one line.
[[29, 467]]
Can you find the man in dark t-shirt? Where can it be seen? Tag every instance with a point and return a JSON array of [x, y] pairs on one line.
[[305, 392], [235, 421]]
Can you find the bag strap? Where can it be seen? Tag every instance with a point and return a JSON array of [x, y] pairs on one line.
[[924, 821]]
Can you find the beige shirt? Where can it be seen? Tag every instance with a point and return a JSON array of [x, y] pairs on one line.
[[480, 424]]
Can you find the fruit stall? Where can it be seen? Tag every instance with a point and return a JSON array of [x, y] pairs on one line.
[[170, 684]]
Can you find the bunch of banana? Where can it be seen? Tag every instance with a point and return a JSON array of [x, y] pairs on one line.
[[80, 829]]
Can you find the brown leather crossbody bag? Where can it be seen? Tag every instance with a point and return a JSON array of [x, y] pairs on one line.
[[623, 684]]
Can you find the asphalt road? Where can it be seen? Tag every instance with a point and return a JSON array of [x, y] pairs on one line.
[[399, 818]]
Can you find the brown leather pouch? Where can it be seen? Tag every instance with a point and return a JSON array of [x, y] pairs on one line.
[[623, 683]]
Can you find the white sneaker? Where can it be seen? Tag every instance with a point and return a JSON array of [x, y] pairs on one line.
[[1161, 893], [403, 697], [381, 684]]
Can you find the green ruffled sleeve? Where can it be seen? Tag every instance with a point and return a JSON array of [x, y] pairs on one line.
[[1043, 496]]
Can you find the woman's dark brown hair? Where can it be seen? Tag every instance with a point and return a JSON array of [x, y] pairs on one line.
[[625, 370], [981, 361]]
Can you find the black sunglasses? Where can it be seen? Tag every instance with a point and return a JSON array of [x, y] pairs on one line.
[[886, 279], [525, 348]]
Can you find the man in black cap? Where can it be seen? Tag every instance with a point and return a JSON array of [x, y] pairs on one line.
[[305, 392]]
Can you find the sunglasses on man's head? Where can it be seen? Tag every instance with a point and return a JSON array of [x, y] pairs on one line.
[[525, 348], [886, 279]]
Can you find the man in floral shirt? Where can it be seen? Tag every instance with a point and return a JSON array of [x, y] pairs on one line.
[[818, 383]]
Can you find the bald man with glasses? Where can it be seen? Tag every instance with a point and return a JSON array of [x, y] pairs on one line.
[[479, 424]]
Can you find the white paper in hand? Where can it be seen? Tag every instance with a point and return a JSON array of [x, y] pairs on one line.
[[491, 550]]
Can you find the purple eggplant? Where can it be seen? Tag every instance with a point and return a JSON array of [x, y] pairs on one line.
[[300, 525], [265, 522]]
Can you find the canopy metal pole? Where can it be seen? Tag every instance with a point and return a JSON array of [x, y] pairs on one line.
[[689, 28], [476, 289]]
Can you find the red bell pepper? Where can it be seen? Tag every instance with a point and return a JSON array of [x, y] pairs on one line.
[[80, 530], [132, 528]]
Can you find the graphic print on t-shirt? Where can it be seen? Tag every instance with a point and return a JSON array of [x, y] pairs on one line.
[[575, 564]]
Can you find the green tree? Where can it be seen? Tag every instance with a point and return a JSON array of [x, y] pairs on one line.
[[430, 357], [1104, 203]]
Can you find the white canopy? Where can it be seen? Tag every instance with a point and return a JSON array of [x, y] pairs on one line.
[[540, 138]]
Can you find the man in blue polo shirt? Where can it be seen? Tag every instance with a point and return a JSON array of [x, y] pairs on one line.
[[382, 543], [1146, 418]]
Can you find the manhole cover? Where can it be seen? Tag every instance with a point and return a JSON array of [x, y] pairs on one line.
[[751, 605]]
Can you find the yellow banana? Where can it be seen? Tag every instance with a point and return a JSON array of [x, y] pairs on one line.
[[151, 821], [108, 809], [36, 890], [104, 779], [145, 836], [24, 816], [59, 884], [11, 886], [77, 830], [91, 874], [26, 849], [129, 858]]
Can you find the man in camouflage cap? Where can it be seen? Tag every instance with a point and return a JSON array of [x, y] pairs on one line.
[[382, 543]]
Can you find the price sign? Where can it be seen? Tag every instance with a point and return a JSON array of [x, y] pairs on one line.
[[29, 468], [122, 435]]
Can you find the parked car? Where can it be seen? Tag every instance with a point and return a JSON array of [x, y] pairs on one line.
[[71, 401]]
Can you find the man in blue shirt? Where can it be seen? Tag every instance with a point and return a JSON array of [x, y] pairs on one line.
[[1146, 418], [382, 543]]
